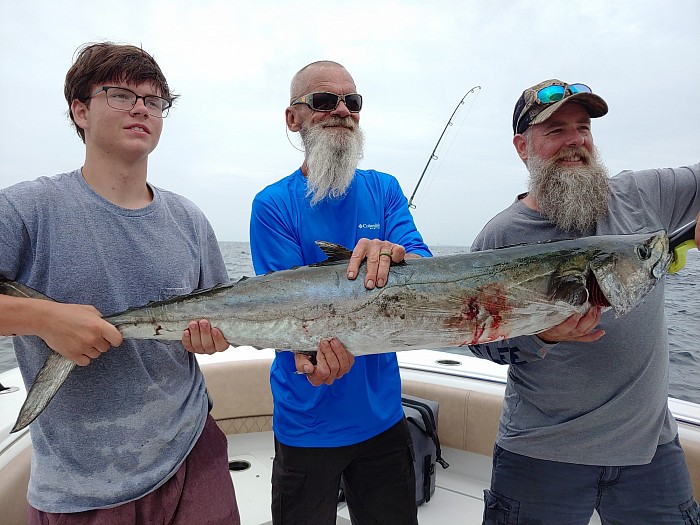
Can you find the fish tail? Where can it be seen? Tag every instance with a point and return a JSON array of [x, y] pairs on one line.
[[47, 382]]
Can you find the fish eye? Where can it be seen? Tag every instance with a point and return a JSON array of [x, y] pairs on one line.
[[643, 252]]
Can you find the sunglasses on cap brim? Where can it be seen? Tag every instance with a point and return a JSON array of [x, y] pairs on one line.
[[550, 94], [324, 101]]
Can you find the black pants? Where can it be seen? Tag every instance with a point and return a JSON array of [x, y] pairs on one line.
[[380, 485]]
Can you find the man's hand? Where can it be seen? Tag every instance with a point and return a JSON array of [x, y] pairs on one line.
[[379, 255], [579, 328], [697, 232], [76, 331], [201, 338], [333, 361]]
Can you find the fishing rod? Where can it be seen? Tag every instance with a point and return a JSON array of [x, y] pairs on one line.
[[432, 155]]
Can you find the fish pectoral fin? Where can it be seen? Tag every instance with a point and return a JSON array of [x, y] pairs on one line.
[[15, 289], [47, 382]]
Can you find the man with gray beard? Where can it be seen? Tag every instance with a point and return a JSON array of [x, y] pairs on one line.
[[331, 156], [343, 415], [575, 197], [585, 424]]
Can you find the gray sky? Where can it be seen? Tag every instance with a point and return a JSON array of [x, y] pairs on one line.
[[412, 61]]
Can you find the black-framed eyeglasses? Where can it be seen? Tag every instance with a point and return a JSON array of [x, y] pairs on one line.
[[324, 101], [124, 100]]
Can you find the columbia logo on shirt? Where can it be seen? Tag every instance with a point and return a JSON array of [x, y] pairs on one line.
[[363, 226]]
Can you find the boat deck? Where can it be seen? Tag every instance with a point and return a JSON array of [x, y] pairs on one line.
[[458, 492], [469, 390]]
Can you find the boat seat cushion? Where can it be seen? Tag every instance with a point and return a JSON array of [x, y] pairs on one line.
[[13, 488], [240, 391], [690, 441], [468, 419]]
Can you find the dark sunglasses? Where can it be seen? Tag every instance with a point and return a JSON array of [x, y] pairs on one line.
[[329, 101]]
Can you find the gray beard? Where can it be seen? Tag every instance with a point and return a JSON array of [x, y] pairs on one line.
[[573, 198], [331, 157]]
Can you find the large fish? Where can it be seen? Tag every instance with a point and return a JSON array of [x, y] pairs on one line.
[[448, 301]]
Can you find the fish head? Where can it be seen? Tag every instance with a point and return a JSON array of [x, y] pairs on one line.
[[627, 267]]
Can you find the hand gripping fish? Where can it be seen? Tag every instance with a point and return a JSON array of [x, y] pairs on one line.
[[448, 301]]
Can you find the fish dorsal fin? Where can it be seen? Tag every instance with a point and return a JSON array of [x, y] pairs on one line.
[[172, 299], [335, 252]]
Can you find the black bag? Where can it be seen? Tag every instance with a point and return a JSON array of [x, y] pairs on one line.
[[422, 416]]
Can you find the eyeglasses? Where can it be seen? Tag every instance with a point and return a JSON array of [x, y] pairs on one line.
[[550, 94], [124, 100], [329, 101]]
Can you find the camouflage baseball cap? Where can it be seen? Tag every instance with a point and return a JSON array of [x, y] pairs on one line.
[[540, 101]]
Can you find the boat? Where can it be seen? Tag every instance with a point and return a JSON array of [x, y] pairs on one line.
[[469, 391]]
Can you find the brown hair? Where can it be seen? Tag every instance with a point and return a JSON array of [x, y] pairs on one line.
[[109, 62]]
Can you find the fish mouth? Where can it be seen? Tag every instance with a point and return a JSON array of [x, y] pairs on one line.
[[595, 294]]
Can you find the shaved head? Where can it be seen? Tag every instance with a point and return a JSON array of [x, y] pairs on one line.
[[306, 75]]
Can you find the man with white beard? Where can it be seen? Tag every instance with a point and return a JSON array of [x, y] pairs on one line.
[[342, 415], [332, 156], [585, 423]]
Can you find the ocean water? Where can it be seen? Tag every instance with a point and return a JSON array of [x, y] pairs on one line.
[[682, 312]]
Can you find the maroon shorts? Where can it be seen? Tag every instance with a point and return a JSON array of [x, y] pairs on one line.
[[201, 491]]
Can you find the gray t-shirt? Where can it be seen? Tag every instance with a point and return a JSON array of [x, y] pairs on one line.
[[120, 427], [601, 403]]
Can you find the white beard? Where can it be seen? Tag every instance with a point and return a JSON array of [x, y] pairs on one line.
[[332, 155], [573, 198]]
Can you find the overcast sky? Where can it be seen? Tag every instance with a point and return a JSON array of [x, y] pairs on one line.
[[413, 61]]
